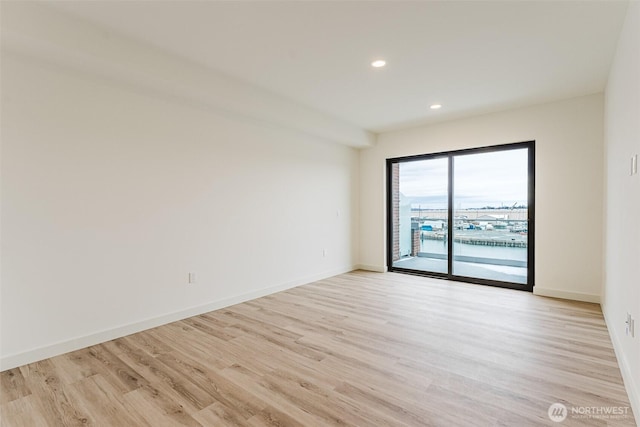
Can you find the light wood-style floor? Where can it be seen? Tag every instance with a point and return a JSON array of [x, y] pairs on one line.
[[362, 349]]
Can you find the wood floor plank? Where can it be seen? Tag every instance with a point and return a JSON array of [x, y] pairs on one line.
[[219, 415], [53, 401], [13, 386], [98, 357], [140, 402], [225, 392], [102, 403], [359, 349], [24, 412], [272, 417], [179, 387]]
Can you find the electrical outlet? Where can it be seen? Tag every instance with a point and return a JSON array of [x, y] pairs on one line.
[[630, 323], [627, 324], [192, 278]]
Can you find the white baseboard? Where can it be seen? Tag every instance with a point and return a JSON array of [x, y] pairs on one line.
[[631, 382], [18, 359], [375, 268], [575, 296]]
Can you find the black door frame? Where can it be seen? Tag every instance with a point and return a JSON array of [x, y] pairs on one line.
[[531, 208]]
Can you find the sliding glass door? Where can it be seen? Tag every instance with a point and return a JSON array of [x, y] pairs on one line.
[[421, 194], [465, 215]]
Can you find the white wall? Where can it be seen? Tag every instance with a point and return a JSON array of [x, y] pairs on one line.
[[621, 292], [569, 186], [37, 29], [111, 195]]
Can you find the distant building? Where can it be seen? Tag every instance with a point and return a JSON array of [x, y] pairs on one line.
[[493, 217]]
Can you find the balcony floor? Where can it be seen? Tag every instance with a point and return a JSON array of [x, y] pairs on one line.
[[467, 269]]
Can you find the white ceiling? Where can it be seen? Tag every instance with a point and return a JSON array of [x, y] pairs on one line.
[[472, 57]]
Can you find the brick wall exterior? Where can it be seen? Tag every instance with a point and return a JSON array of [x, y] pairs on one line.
[[415, 242]]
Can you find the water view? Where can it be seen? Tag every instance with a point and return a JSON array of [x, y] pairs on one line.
[[489, 230]]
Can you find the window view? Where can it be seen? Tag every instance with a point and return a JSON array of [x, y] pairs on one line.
[[489, 214], [423, 188]]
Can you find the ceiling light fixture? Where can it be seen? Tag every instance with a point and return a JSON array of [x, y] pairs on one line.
[[379, 63], [436, 106]]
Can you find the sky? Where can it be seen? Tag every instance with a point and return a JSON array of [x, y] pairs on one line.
[[485, 179]]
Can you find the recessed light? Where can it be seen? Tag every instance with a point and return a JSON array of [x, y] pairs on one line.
[[436, 106], [379, 63]]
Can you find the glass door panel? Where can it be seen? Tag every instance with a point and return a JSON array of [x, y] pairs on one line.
[[490, 227], [419, 212]]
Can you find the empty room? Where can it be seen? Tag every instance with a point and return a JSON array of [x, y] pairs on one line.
[[317, 213]]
